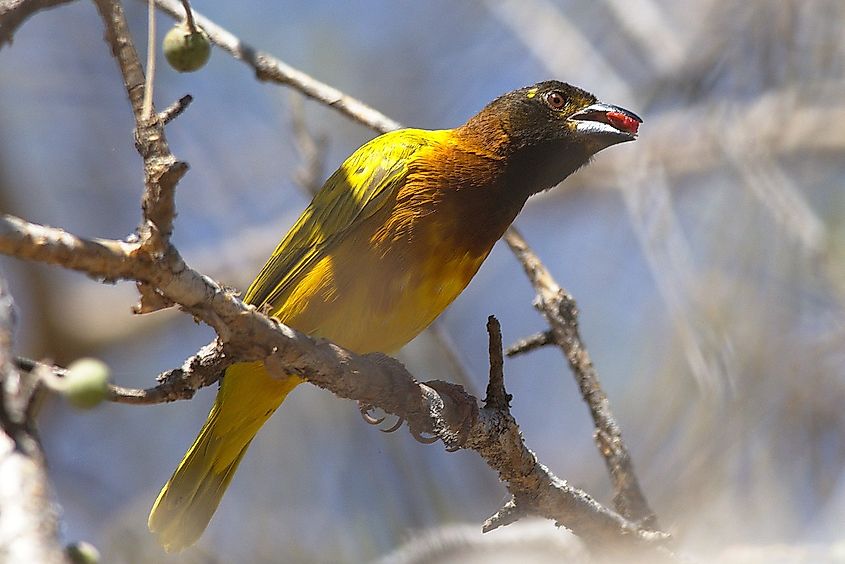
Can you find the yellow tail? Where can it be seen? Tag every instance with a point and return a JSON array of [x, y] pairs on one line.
[[247, 397]]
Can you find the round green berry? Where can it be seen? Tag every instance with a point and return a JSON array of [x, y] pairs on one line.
[[86, 383], [186, 51]]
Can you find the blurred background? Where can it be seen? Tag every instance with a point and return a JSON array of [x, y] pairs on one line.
[[706, 258]]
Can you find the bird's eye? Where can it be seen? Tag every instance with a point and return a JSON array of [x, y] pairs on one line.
[[555, 100]]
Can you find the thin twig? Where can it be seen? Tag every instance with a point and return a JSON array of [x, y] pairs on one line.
[[559, 309], [161, 393], [189, 16], [175, 109], [497, 396], [535, 341], [200, 370], [509, 513], [147, 110]]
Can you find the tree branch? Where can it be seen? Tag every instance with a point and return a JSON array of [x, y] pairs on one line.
[[175, 109], [14, 12], [105, 259], [200, 370], [29, 529], [246, 334], [535, 341], [559, 309], [497, 396], [161, 169]]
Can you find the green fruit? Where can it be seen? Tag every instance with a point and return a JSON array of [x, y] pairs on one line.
[[186, 51], [86, 383], [82, 553]]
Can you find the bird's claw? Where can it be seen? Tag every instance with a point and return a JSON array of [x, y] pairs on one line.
[[365, 410], [394, 427], [367, 416], [421, 439]]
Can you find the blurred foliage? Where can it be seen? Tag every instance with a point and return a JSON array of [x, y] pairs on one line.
[[710, 278]]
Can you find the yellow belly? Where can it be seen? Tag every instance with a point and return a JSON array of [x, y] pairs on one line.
[[367, 301]]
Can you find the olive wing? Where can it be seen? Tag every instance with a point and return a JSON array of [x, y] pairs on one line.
[[356, 190]]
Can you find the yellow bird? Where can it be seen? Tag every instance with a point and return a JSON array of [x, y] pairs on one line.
[[394, 235]]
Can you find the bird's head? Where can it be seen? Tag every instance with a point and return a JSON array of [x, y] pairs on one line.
[[549, 130]]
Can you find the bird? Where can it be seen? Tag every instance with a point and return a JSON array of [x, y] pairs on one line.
[[391, 239]]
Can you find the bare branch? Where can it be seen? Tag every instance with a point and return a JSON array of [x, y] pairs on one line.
[[560, 311], [14, 12], [441, 410], [497, 397], [508, 514], [535, 341], [123, 50], [161, 169], [112, 260], [201, 370], [436, 408], [106, 259], [175, 109], [29, 529]]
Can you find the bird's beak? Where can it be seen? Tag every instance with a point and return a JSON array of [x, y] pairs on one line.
[[612, 123]]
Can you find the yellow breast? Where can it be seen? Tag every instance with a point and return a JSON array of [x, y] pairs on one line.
[[367, 301]]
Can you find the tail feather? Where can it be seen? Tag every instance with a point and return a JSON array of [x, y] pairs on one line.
[[186, 503]]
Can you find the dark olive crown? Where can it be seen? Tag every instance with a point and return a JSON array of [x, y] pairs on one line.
[[537, 114]]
